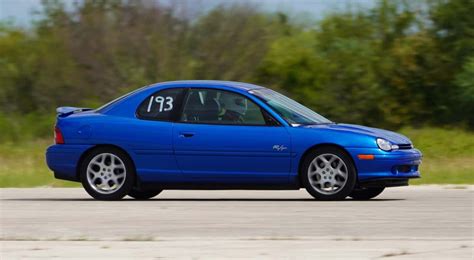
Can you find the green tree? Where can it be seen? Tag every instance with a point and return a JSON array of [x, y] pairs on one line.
[[17, 73], [453, 31], [465, 82], [230, 43], [398, 63]]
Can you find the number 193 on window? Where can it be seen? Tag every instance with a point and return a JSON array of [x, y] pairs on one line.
[[164, 103]]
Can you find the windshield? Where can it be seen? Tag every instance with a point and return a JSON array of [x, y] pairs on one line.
[[293, 112]]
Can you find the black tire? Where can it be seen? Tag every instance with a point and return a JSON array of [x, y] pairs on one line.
[[343, 191], [128, 182], [366, 193], [143, 195]]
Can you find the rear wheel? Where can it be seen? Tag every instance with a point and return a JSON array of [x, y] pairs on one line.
[[328, 174], [107, 173], [366, 193], [143, 195]]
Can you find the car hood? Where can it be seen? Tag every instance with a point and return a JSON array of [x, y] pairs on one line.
[[393, 137]]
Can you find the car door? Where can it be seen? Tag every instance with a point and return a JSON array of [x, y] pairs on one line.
[[224, 137]]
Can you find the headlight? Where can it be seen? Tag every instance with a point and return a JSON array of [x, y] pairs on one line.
[[386, 145]]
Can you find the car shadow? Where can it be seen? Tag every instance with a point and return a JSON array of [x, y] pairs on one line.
[[203, 199]]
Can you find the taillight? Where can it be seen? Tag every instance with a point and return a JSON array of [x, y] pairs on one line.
[[58, 136]]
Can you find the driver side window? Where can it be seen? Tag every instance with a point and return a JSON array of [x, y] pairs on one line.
[[214, 106]]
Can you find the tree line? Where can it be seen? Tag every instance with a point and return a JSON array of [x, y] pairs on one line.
[[396, 64]]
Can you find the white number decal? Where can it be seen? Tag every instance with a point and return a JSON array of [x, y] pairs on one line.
[[161, 100], [149, 104], [169, 102]]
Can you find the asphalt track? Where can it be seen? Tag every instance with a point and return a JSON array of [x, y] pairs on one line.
[[416, 222]]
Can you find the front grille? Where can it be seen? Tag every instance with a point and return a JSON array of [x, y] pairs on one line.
[[405, 146]]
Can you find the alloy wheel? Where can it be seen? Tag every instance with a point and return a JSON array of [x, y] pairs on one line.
[[106, 173], [327, 173]]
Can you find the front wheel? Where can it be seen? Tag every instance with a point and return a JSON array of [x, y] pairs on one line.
[[107, 173], [328, 174], [366, 193]]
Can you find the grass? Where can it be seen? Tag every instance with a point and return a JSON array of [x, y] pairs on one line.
[[448, 155], [448, 159], [23, 164]]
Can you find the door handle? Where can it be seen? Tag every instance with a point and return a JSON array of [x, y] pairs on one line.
[[186, 134]]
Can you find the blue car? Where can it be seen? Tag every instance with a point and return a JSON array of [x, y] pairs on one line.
[[223, 135]]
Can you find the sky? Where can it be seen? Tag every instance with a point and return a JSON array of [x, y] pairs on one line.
[[20, 11]]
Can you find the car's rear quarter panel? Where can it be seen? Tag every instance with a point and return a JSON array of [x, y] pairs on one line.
[[148, 143], [63, 160]]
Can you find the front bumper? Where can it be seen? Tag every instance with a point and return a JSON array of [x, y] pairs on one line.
[[400, 164], [63, 160]]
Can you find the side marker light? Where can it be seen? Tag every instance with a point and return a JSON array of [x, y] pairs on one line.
[[366, 156]]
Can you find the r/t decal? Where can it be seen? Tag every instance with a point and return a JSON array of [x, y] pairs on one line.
[[279, 148]]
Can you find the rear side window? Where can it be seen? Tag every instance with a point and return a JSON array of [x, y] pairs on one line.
[[163, 105]]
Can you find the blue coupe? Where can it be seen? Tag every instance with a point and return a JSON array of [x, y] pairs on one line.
[[223, 135]]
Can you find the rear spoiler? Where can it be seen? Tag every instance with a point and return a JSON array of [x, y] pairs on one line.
[[66, 111]]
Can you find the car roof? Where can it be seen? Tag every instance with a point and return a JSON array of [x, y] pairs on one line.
[[204, 83]]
